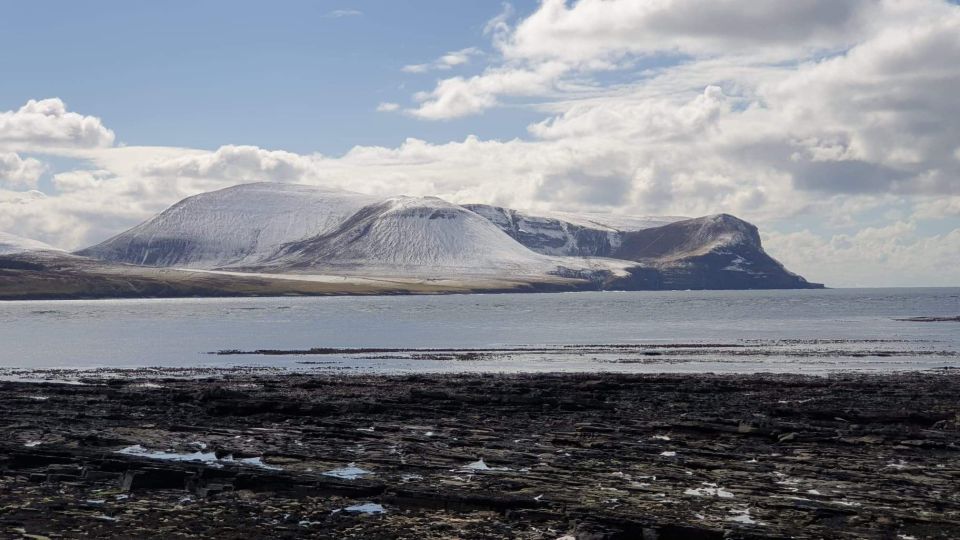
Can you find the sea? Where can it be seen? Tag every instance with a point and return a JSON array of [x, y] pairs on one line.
[[792, 331]]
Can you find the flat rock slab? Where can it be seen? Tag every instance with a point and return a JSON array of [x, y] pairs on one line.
[[592, 456]]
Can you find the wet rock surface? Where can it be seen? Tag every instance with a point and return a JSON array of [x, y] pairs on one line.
[[588, 456], [931, 319]]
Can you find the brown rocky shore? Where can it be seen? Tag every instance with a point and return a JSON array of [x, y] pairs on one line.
[[586, 456]]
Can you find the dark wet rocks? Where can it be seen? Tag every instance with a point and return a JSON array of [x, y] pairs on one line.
[[482, 456], [930, 319]]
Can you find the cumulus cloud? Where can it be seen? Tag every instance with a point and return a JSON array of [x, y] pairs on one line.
[[47, 123], [938, 208], [236, 164], [579, 39], [88, 205], [599, 35], [80, 180], [652, 175], [869, 121], [877, 114], [649, 118], [72, 219], [459, 96], [388, 106], [16, 172], [585, 30]]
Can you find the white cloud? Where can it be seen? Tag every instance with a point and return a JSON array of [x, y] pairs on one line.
[[870, 121], [416, 68], [579, 39], [47, 123], [498, 27], [938, 208], [891, 256], [584, 31], [640, 119], [72, 219], [80, 180], [16, 172], [600, 35], [448, 61], [236, 164], [340, 13], [458, 96], [387, 106], [874, 118], [456, 58]]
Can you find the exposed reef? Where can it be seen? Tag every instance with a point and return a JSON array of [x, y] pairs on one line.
[[236, 454]]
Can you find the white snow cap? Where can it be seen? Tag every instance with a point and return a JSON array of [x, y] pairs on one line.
[[282, 227]]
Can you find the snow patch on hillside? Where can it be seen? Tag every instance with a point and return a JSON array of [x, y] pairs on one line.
[[545, 222], [610, 222], [567, 234]]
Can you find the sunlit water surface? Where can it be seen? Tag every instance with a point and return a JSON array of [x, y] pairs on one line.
[[780, 331]]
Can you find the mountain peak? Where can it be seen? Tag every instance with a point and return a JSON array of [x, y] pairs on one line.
[[237, 225]]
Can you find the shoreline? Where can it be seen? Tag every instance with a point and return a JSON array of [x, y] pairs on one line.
[[107, 375], [535, 456], [820, 357]]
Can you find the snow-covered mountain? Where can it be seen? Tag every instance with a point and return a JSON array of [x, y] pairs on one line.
[[240, 225], [712, 252], [562, 233], [413, 235], [13, 245], [282, 228]]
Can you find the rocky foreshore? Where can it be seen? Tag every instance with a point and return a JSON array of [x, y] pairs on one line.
[[586, 456]]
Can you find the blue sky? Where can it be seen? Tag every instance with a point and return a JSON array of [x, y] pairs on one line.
[[831, 124], [285, 75]]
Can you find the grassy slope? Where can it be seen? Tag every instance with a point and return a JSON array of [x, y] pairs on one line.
[[75, 278]]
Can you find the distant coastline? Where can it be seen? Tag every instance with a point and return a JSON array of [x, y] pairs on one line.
[[27, 278]]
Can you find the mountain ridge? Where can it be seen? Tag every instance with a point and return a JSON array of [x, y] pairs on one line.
[[275, 230]]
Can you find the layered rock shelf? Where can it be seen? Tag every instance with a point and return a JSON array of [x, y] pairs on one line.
[[227, 454]]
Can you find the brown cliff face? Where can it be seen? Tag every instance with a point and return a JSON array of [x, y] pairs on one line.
[[711, 252]]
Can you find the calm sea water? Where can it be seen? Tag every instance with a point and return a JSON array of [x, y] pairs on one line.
[[798, 331]]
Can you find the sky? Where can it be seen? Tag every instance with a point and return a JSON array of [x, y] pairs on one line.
[[833, 125]]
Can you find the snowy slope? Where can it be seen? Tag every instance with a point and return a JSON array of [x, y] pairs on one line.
[[565, 234], [587, 220], [12, 245], [283, 228], [234, 226], [417, 235], [611, 222]]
